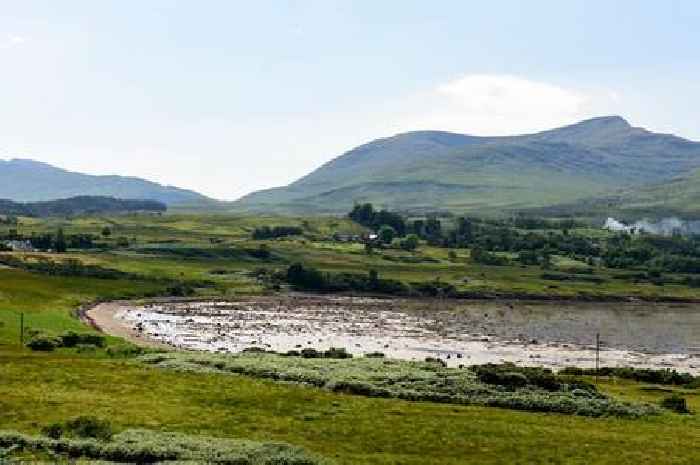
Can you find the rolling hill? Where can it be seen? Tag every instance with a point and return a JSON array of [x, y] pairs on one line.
[[31, 181], [429, 170], [78, 206], [677, 197]]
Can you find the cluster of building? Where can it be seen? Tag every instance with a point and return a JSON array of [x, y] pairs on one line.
[[19, 246], [348, 237]]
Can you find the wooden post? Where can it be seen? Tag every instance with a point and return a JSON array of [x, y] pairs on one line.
[[597, 356]]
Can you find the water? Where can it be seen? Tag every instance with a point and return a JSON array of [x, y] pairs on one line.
[[544, 334]]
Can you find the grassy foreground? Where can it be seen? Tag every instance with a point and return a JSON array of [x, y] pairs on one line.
[[37, 389]]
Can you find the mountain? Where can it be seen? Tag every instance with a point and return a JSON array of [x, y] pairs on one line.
[[31, 181], [79, 205], [677, 197], [429, 170]]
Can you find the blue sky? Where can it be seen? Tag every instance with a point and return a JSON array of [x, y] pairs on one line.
[[227, 97]]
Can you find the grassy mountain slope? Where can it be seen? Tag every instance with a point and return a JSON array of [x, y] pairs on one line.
[[679, 196], [440, 170], [32, 181]]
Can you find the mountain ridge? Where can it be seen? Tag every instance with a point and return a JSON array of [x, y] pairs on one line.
[[27, 180], [575, 161]]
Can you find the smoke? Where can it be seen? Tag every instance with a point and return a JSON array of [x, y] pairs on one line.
[[665, 226]]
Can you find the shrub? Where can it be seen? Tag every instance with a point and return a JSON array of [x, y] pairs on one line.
[[124, 351], [339, 353], [416, 381], [512, 377], [72, 339], [647, 375], [436, 361], [43, 343], [675, 403], [89, 427], [311, 353], [53, 431], [144, 446]]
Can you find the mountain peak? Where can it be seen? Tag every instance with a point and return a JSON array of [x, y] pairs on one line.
[[605, 122]]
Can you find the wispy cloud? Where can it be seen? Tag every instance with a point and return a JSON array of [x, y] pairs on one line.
[[11, 41]]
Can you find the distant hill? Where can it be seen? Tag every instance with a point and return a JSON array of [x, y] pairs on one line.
[[678, 197], [79, 205], [30, 181], [429, 170]]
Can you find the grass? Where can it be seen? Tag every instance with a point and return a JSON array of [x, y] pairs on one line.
[[426, 381], [48, 302], [315, 249], [37, 389], [144, 446]]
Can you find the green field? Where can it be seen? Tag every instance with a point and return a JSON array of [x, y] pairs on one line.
[[37, 389]]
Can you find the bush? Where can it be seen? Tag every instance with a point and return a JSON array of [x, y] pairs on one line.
[[73, 339], [43, 343], [53, 431], [436, 361], [647, 375], [375, 355], [339, 353], [675, 403], [414, 381], [266, 232], [144, 446], [89, 427], [129, 350], [512, 377], [311, 353]]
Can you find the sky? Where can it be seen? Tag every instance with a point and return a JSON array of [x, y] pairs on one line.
[[228, 97]]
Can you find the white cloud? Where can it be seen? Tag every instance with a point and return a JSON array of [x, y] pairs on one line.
[[12, 41], [493, 104]]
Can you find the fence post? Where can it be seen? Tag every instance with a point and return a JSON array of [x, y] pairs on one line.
[[597, 356]]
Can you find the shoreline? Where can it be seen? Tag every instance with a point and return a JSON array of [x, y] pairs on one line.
[[351, 323]]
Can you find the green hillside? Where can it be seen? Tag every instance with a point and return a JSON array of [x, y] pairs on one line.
[[430, 170], [679, 196], [32, 181]]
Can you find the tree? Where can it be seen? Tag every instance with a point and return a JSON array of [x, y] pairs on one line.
[[362, 214], [373, 279], [433, 230], [106, 231], [60, 244], [410, 243], [386, 234]]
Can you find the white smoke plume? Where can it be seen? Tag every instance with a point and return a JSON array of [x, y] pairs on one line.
[[665, 226]]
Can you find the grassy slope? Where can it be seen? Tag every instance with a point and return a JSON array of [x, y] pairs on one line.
[[40, 388], [234, 231], [437, 170]]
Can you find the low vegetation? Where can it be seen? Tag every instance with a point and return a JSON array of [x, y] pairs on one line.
[[144, 446], [665, 376], [504, 386]]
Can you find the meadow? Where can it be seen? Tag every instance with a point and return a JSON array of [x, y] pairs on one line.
[[38, 389]]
